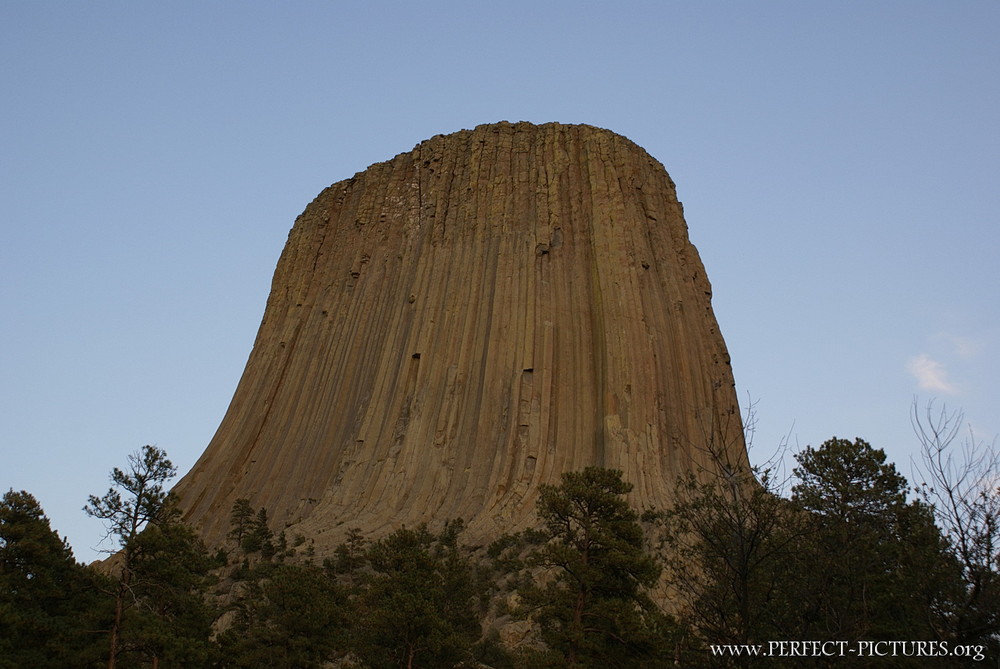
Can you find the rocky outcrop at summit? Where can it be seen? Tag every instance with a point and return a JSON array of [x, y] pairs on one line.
[[451, 328]]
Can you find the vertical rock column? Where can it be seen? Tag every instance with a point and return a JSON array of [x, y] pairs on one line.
[[451, 328]]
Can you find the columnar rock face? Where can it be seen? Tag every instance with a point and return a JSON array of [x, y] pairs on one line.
[[451, 328]]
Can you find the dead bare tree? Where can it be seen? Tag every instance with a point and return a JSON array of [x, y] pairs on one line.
[[961, 481], [726, 541]]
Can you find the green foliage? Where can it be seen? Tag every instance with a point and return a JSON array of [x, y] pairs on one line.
[[259, 538], [846, 558], [252, 533], [171, 619], [871, 555], [349, 557], [48, 602], [286, 616], [241, 521], [848, 482], [293, 615], [412, 599], [160, 571], [136, 496], [590, 597], [421, 603]]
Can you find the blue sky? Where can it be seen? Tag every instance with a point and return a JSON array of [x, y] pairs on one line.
[[838, 163]]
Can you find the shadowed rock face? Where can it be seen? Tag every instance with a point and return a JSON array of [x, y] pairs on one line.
[[451, 328]]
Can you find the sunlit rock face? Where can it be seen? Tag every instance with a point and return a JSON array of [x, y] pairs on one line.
[[452, 328]]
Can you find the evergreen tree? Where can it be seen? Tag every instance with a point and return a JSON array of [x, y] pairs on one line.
[[160, 569], [848, 557], [421, 602], [286, 616], [257, 535], [48, 601], [591, 600], [240, 521], [874, 563], [172, 620], [349, 557]]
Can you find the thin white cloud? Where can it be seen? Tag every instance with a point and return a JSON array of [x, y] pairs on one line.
[[930, 374], [966, 347]]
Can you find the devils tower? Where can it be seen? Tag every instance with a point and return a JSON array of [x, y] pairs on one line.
[[451, 328]]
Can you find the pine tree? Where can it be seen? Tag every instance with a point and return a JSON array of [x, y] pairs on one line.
[[287, 615], [874, 562], [160, 568], [592, 602], [240, 520], [48, 601], [172, 621], [420, 604]]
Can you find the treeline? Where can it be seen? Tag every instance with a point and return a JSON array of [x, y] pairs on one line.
[[847, 552]]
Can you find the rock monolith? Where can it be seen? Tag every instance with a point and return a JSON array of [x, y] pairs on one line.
[[452, 328]]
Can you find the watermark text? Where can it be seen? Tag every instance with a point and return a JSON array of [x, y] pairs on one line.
[[850, 649]]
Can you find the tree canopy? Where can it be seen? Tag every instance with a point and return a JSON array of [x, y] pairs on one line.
[[48, 602], [846, 553]]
